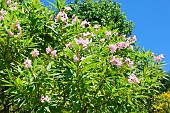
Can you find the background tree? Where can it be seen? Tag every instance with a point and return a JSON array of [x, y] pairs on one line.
[[105, 13]]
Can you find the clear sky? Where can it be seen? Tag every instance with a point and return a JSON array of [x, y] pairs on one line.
[[152, 24]]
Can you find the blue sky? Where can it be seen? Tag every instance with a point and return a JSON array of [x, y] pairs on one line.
[[152, 24]]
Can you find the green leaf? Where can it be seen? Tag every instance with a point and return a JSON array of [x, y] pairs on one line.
[[49, 65], [47, 108], [87, 59]]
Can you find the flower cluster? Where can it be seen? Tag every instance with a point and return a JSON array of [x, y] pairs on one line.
[[67, 8], [132, 78], [69, 45], [2, 14], [132, 38], [34, 53], [86, 34], [53, 52], [82, 41], [8, 2], [159, 58], [112, 48], [43, 99], [115, 33], [13, 6], [96, 27], [85, 23], [108, 34], [62, 16], [17, 27], [121, 45], [75, 58], [27, 63], [116, 61], [74, 19], [129, 62]]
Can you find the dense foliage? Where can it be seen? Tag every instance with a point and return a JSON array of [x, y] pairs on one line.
[[51, 62], [105, 13], [162, 104]]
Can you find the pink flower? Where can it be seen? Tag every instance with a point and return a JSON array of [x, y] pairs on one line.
[[86, 34], [120, 45], [75, 58], [67, 8], [63, 16], [126, 44], [23, 10], [85, 42], [82, 58], [3, 12], [152, 54], [115, 33], [129, 62], [64, 20], [116, 61], [34, 53], [102, 40], [132, 78], [69, 45], [130, 47], [96, 26], [11, 33], [112, 48], [85, 23], [159, 58], [19, 34], [27, 63], [92, 34], [134, 37], [18, 26], [47, 99], [74, 21], [13, 6], [108, 33], [82, 41], [8, 2], [48, 50], [43, 99], [1, 18], [54, 53]]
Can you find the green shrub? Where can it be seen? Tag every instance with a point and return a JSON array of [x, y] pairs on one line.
[[63, 64]]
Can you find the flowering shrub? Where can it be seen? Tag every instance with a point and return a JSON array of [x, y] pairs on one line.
[[63, 64]]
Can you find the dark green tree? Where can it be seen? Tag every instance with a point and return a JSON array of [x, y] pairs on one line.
[[105, 13]]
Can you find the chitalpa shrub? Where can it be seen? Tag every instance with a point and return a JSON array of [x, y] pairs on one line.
[[57, 63]]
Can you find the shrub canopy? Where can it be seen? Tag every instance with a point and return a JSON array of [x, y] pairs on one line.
[[57, 62]]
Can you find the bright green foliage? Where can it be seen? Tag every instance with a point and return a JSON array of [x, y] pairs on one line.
[[105, 13], [84, 75]]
